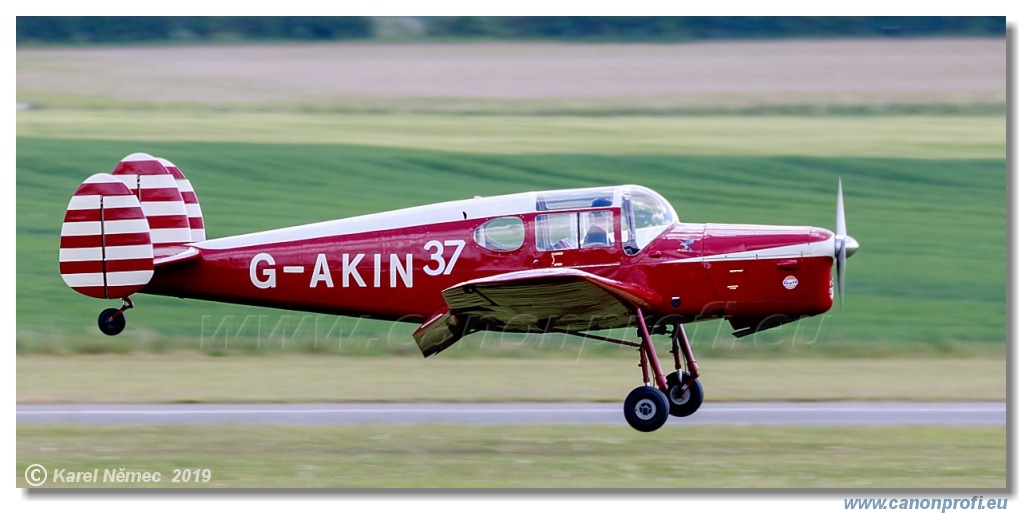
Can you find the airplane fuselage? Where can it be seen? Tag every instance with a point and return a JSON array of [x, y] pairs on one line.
[[398, 272]]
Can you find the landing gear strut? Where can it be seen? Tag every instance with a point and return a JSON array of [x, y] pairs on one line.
[[685, 393], [679, 394], [112, 320]]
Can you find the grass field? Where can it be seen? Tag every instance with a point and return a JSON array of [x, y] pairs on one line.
[[451, 456], [929, 136]]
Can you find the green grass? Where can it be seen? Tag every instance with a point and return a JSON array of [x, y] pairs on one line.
[[930, 277], [924, 136], [471, 376], [451, 456]]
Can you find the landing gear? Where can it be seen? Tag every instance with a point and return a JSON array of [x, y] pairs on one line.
[[646, 408], [685, 393], [112, 320], [683, 399], [679, 393]]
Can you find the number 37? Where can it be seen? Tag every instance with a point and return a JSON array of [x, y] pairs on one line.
[[437, 256]]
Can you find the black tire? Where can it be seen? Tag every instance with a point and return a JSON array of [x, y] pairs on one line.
[[111, 324], [646, 409], [683, 403]]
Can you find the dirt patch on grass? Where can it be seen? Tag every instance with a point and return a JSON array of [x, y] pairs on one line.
[[619, 75]]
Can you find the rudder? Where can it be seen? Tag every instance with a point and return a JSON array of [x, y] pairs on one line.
[[188, 195], [160, 198], [105, 246]]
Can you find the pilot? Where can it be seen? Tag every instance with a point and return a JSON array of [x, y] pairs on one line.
[[597, 235]]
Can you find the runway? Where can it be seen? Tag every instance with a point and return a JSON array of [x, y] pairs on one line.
[[767, 414]]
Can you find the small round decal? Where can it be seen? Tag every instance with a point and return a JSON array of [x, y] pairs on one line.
[[790, 282]]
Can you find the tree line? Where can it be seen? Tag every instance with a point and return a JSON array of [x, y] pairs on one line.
[[153, 29]]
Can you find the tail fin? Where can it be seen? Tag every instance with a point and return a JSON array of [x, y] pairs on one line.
[[120, 226], [105, 245], [188, 194], [161, 200]]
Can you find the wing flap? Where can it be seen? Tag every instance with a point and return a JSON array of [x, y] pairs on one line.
[[535, 301], [437, 334]]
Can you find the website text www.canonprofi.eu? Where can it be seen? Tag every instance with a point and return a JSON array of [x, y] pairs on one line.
[[974, 503]]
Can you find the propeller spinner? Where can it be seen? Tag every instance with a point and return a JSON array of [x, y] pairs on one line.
[[846, 245]]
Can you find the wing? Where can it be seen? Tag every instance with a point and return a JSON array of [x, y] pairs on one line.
[[533, 301]]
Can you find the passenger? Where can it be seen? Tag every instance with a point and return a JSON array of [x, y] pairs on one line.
[[597, 235]]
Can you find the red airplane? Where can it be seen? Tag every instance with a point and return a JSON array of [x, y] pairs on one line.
[[569, 261]]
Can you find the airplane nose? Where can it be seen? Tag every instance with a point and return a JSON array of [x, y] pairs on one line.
[[851, 246]]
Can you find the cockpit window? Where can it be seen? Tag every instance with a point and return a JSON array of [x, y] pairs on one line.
[[501, 234], [576, 199], [557, 231], [598, 229], [575, 230], [649, 211], [632, 216], [647, 215]]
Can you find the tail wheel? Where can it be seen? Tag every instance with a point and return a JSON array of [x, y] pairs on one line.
[[646, 409], [112, 321], [682, 401]]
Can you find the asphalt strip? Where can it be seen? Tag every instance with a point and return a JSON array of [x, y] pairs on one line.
[[808, 414]]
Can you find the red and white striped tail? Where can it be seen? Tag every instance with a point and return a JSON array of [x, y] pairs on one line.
[[120, 225], [188, 194], [105, 245], [161, 200]]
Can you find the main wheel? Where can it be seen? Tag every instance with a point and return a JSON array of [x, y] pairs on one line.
[[111, 324], [682, 403], [646, 409]]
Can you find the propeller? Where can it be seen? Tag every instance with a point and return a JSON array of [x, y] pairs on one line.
[[846, 246]]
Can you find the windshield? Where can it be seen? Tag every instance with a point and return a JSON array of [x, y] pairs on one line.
[[647, 215]]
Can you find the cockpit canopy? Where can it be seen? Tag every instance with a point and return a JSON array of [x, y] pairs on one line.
[[644, 214]]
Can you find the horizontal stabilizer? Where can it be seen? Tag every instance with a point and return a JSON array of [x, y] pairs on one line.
[[167, 255]]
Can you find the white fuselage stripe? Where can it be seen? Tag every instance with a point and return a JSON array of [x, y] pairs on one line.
[[815, 249], [478, 208]]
